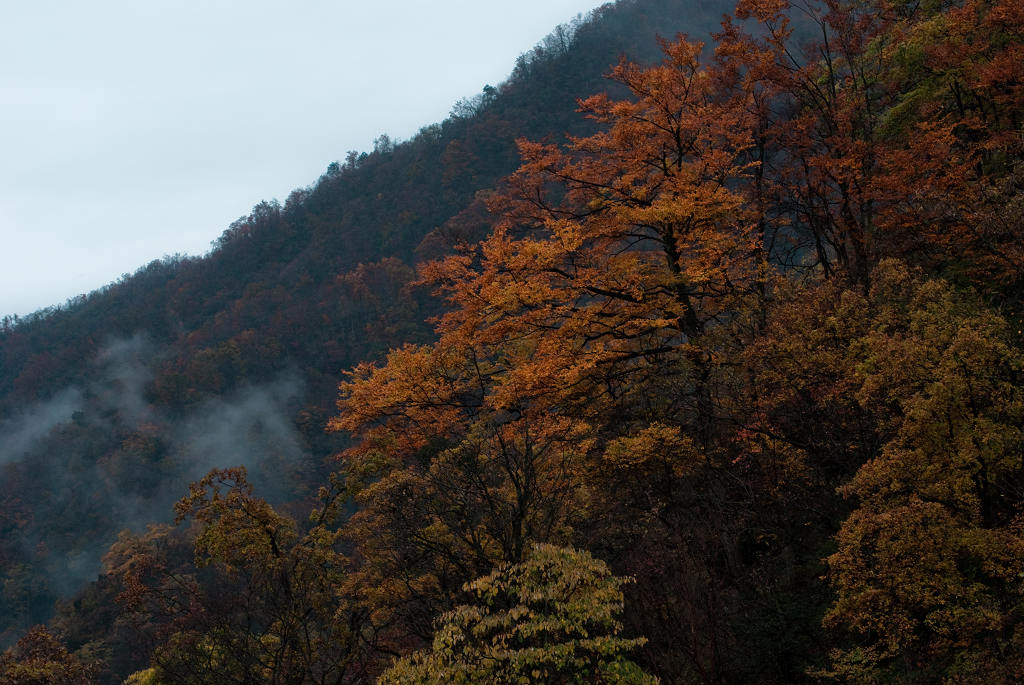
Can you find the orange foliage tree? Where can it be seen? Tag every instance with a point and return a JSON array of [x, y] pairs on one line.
[[889, 134], [675, 313], [577, 319]]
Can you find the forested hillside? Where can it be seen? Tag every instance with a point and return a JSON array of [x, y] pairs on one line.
[[111, 403], [722, 383]]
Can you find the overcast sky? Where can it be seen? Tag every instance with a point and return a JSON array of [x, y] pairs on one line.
[[133, 129]]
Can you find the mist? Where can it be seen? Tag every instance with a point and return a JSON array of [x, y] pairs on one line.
[[111, 461], [19, 434]]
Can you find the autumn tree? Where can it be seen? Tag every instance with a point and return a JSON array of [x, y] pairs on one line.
[[883, 123], [681, 310], [38, 658], [446, 486], [928, 570], [261, 603], [582, 309], [612, 254], [548, 619]]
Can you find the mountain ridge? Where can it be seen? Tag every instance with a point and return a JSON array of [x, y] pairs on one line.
[[310, 286]]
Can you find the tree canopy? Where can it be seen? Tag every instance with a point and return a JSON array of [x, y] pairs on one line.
[[724, 388]]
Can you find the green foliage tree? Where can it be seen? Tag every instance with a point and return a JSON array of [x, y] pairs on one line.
[[549, 619]]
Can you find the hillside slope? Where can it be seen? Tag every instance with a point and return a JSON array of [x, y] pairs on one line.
[[112, 402]]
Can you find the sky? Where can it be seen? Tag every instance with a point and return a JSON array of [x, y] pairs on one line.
[[132, 130]]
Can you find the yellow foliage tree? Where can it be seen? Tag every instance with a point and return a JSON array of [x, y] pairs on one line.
[[549, 619], [930, 564]]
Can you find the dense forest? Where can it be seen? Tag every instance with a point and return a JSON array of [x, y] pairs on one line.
[[702, 365]]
